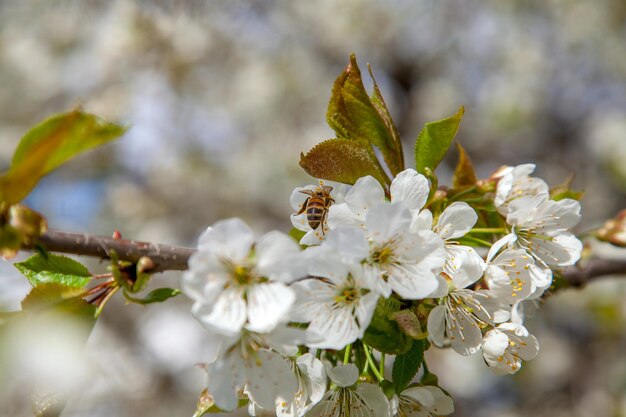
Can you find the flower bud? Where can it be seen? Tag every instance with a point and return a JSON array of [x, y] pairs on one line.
[[614, 230]]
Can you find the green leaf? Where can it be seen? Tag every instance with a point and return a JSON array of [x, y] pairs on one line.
[[405, 366], [342, 161], [353, 115], [58, 298], [464, 174], [434, 141], [50, 144], [51, 268], [383, 333], [156, 296]]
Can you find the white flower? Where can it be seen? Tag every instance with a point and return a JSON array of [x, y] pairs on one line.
[[248, 364], [408, 187], [513, 274], [463, 265], [516, 182], [346, 399], [540, 225], [235, 283], [506, 346], [337, 303], [423, 401], [311, 376], [508, 274], [461, 317], [393, 257], [301, 195]]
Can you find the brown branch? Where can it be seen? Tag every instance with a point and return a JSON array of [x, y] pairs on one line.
[[166, 257], [592, 269]]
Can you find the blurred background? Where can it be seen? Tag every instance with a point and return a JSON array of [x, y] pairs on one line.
[[223, 96]]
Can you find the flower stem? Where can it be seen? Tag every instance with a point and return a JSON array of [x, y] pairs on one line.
[[489, 230], [372, 364], [346, 356], [382, 363], [481, 242]]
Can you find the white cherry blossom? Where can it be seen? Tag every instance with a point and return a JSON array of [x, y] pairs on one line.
[[300, 221], [347, 398], [506, 346], [337, 303], [541, 225], [461, 316], [508, 274], [235, 282], [516, 182], [248, 364], [393, 257], [422, 401]]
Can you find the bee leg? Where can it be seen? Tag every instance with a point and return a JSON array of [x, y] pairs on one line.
[[306, 202], [322, 222]]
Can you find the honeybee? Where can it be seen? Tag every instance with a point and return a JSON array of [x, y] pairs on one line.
[[317, 205]]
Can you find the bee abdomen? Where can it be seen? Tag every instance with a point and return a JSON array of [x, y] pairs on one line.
[[314, 213]]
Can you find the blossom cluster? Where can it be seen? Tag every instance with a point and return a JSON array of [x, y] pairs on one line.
[[290, 323]]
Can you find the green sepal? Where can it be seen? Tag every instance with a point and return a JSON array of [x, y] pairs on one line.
[[434, 141], [50, 144], [405, 366], [51, 268], [155, 296], [383, 333], [342, 160]]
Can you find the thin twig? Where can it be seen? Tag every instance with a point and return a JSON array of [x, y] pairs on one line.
[[164, 257], [167, 257]]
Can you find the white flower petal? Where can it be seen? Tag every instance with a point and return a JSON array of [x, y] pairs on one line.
[[223, 383], [413, 282], [437, 325], [384, 221], [268, 304], [342, 215], [230, 239], [365, 193], [464, 265], [376, 403], [411, 188], [337, 327], [314, 369], [421, 220], [343, 375], [456, 220], [350, 242], [463, 331], [271, 380], [278, 258], [443, 403], [226, 316], [365, 311]]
